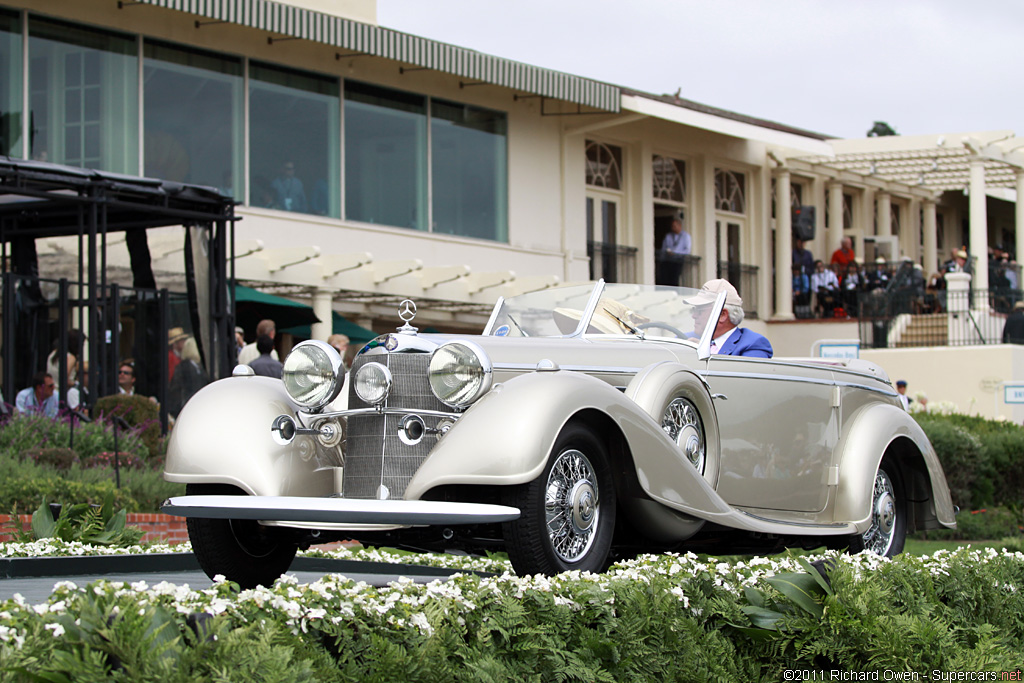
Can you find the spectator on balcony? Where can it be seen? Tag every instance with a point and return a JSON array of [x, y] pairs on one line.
[[674, 247], [729, 338], [1013, 329], [801, 292], [850, 288], [958, 264], [41, 397], [802, 257], [677, 241], [825, 288], [844, 254], [879, 277]]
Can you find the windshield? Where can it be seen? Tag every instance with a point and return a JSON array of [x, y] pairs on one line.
[[621, 309]]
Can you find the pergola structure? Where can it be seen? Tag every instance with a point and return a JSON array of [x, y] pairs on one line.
[[976, 163]]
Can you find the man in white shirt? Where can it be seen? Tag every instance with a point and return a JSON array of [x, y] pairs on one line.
[[249, 352]]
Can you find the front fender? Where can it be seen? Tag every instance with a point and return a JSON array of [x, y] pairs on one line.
[[223, 436], [869, 435], [506, 437]]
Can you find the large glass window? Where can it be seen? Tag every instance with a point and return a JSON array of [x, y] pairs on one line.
[[193, 117], [294, 153], [385, 156], [469, 170], [10, 84], [83, 96]]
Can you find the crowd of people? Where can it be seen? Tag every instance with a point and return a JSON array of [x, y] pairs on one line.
[[186, 373], [839, 288]]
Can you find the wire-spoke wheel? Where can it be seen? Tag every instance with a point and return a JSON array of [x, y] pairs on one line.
[[683, 425], [567, 513], [888, 530]]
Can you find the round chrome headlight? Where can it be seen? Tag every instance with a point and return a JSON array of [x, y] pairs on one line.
[[313, 374], [460, 373], [372, 383]]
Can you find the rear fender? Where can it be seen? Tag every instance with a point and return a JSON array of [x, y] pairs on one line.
[[222, 436], [874, 431]]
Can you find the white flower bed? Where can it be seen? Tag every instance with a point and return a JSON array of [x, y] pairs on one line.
[[51, 547], [405, 604]]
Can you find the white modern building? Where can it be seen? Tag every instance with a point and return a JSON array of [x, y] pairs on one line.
[[372, 165]]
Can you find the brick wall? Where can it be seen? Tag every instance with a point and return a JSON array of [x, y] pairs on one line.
[[157, 528]]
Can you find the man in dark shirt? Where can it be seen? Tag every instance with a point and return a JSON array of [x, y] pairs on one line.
[[265, 365], [1013, 330]]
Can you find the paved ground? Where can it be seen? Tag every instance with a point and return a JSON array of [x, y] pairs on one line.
[[37, 589]]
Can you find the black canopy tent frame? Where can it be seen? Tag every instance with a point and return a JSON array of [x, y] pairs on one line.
[[39, 200]]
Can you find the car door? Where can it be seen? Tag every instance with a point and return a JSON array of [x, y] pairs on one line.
[[778, 425]]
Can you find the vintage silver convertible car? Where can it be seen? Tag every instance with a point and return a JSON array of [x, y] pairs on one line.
[[587, 423]]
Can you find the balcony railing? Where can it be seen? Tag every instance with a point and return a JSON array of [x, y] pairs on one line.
[[905, 319], [613, 262], [677, 270]]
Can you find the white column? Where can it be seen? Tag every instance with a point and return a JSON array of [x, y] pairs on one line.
[[931, 252], [911, 232], [1020, 217], [323, 310], [979, 225], [783, 249], [864, 226], [705, 204], [884, 204], [640, 198], [835, 220]]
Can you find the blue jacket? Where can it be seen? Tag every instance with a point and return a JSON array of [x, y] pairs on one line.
[[744, 342]]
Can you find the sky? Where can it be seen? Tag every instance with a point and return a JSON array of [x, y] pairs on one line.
[[828, 66]]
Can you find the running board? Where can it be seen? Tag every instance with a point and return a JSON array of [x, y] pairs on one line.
[[337, 510]]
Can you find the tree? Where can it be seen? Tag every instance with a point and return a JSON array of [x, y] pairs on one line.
[[880, 129]]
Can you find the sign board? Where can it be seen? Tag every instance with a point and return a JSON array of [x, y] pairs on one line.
[[840, 350], [1013, 392]]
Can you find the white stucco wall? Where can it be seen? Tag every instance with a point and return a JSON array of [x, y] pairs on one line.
[[968, 376]]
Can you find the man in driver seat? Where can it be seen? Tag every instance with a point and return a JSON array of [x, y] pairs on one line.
[[730, 339]]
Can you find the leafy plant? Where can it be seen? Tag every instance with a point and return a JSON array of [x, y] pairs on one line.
[[139, 412], [86, 523]]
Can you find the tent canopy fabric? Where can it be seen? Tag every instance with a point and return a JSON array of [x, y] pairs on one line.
[[252, 306], [357, 334]]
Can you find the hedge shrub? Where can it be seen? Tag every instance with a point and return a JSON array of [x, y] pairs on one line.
[[137, 411]]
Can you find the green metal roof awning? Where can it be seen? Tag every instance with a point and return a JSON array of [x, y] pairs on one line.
[[252, 306], [298, 22], [357, 334]]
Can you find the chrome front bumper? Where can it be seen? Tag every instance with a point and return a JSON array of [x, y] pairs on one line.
[[336, 511]]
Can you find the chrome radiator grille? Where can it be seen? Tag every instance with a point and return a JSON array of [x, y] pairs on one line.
[[374, 453]]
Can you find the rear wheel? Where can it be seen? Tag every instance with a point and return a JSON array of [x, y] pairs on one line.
[[567, 513], [243, 550], [888, 530]]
